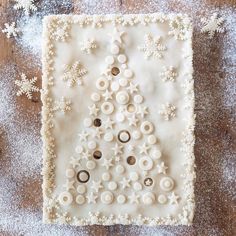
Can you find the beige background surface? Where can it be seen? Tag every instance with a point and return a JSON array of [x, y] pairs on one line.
[[215, 89]]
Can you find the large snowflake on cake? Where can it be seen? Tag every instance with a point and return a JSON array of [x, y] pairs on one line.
[[212, 25], [10, 30], [26, 5], [152, 47]]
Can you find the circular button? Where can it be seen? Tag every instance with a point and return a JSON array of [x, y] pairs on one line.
[[145, 163], [152, 139], [136, 135], [107, 197], [134, 176], [112, 185], [167, 184], [70, 173], [162, 199], [91, 165], [123, 82], [79, 149], [121, 199], [92, 145], [155, 154], [122, 97], [108, 137], [137, 186], [138, 99], [109, 60], [102, 83], [95, 97], [120, 117], [148, 182], [148, 198], [83, 176], [88, 122], [131, 108], [80, 199], [120, 169], [106, 176], [122, 58], [81, 189], [115, 86], [128, 73], [107, 108], [114, 49], [65, 198], [123, 136], [146, 127]]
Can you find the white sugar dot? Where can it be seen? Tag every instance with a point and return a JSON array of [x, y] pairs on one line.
[[108, 137], [133, 176], [121, 199], [137, 186], [120, 169], [70, 173], [92, 145], [152, 139], [122, 58], [114, 49], [88, 122], [138, 99], [124, 66], [79, 149], [122, 97], [128, 73], [109, 60], [115, 86], [106, 176], [95, 97], [123, 82], [112, 185], [120, 117], [81, 189], [91, 165], [155, 154], [136, 135], [162, 199], [80, 199]]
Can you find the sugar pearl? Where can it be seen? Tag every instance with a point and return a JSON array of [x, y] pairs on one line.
[[109, 60], [95, 97], [114, 49], [122, 58]]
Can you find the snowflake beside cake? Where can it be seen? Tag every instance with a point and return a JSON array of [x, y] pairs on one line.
[[118, 120]]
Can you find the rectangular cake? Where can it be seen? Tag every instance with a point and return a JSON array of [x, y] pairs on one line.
[[118, 119]]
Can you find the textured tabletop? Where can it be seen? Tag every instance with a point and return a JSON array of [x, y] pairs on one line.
[[215, 92]]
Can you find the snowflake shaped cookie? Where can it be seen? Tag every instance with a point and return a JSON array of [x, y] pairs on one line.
[[212, 25], [88, 45], [26, 86], [152, 47], [10, 30], [168, 111], [74, 73], [168, 73], [26, 5]]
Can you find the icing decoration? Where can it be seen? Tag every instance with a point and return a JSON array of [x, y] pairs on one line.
[[122, 58], [134, 198], [83, 176], [92, 145], [25, 5], [117, 149], [69, 185], [121, 199], [96, 185], [145, 163], [123, 136], [79, 149], [88, 46], [123, 82], [65, 198], [108, 137], [83, 136], [107, 197], [144, 149], [86, 155], [136, 135], [137, 186], [138, 99], [168, 111], [75, 161], [70, 173], [108, 124], [114, 49], [142, 111], [91, 165], [92, 198], [109, 60], [128, 74], [131, 160], [115, 86], [146, 127], [120, 169], [133, 121], [11, 30], [115, 71], [162, 199], [80, 199], [62, 105], [95, 97], [125, 183], [155, 153], [148, 181], [132, 87], [97, 133], [161, 168], [107, 95], [88, 122], [107, 108], [112, 185], [152, 139], [116, 36], [97, 122], [97, 154], [102, 83], [106, 176], [122, 97], [133, 176], [148, 198], [167, 184], [81, 189], [168, 74], [173, 198], [107, 163]]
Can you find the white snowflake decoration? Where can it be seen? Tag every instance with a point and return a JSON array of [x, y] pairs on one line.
[[88, 45], [62, 105], [10, 30], [26, 5], [169, 73], [168, 111], [26, 86], [152, 47], [74, 73], [212, 25], [60, 30]]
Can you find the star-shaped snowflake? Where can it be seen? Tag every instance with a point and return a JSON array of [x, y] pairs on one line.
[[108, 124], [26, 86], [26, 5], [60, 30], [134, 198], [97, 185], [125, 183], [107, 95], [133, 120], [132, 88], [69, 185], [144, 149], [74, 73], [75, 161], [168, 73], [152, 47], [98, 133], [62, 105], [212, 25], [107, 163], [10, 30], [142, 111], [168, 111], [92, 198], [117, 149], [83, 136], [93, 110], [86, 155], [88, 45], [161, 168], [173, 198], [116, 36]]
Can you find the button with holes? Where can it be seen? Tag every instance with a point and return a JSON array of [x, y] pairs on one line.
[[145, 163], [107, 108], [146, 127]]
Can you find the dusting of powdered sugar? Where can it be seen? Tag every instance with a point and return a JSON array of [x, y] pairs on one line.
[[215, 91]]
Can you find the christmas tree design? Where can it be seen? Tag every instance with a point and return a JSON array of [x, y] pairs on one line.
[[117, 158]]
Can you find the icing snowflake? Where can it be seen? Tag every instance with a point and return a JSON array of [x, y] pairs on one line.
[[212, 25], [63, 218], [83, 136], [60, 30], [10, 30], [74, 73], [75, 161], [168, 111], [152, 47], [92, 198], [26, 5], [116, 36], [26, 86], [107, 163], [161, 168], [98, 132], [69, 185], [125, 183], [62, 105], [88, 45], [134, 198], [173, 198], [168, 73], [97, 185]]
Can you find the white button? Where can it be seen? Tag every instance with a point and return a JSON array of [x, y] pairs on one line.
[[106, 176], [120, 169], [134, 176], [123, 82], [167, 184], [70, 173], [162, 199], [120, 117], [152, 139], [112, 185], [79, 149], [121, 199], [128, 73], [137, 186], [107, 197], [109, 60], [81, 189], [122, 97], [122, 58], [88, 122], [92, 145], [102, 83], [108, 137], [91, 165], [155, 154], [95, 97], [115, 86], [148, 198], [138, 99], [136, 135], [145, 163], [146, 127], [107, 108], [114, 49], [80, 199], [123, 136], [65, 198]]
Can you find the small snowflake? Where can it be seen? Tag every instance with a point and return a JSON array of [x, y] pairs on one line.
[[212, 25], [88, 45], [169, 74], [168, 111], [60, 30], [26, 86], [26, 5], [74, 73], [10, 30], [62, 105], [152, 47]]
